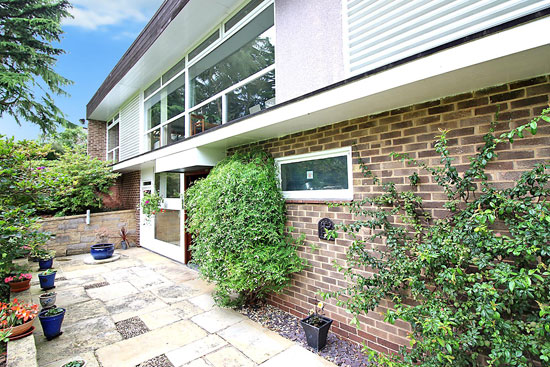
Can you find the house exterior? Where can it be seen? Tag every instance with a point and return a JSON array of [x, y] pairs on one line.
[[315, 82]]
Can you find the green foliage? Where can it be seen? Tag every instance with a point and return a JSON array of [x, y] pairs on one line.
[[237, 216], [472, 285], [27, 59], [150, 204], [80, 181], [71, 138]]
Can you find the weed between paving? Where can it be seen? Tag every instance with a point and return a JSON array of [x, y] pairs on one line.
[[160, 361], [339, 351], [131, 327], [96, 285]]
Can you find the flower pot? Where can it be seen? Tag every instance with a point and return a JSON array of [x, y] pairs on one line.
[[20, 286], [123, 245], [19, 329], [102, 251], [316, 336], [45, 264], [51, 325], [47, 300], [82, 363], [47, 281]]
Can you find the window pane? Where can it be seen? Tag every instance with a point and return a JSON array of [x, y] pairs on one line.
[[167, 184], [173, 71], [252, 97], [242, 13], [319, 174], [113, 137], [176, 97], [200, 48], [152, 112], [206, 117], [167, 226], [153, 87], [175, 131], [153, 140], [250, 50]]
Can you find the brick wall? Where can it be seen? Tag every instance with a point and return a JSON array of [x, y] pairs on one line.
[[97, 139], [129, 188], [410, 129]]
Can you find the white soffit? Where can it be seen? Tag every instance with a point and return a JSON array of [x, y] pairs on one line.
[[193, 23], [189, 158]]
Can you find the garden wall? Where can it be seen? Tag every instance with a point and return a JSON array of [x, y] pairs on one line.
[[74, 236], [409, 130]]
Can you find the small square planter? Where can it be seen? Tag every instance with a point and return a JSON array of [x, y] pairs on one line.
[[316, 336]]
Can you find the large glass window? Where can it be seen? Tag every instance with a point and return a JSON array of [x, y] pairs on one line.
[[167, 184], [320, 175], [252, 97], [167, 226], [113, 139]]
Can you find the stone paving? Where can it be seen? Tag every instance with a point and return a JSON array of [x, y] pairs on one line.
[[172, 314]]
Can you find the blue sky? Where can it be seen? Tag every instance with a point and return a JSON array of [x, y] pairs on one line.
[[94, 41]]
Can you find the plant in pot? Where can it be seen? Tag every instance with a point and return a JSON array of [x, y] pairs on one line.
[[45, 258], [316, 327], [19, 282], [102, 250], [51, 321], [151, 204], [17, 317], [47, 279], [124, 242], [47, 300], [75, 363]]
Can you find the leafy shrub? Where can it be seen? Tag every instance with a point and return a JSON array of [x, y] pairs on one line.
[[478, 278], [237, 216], [150, 204]]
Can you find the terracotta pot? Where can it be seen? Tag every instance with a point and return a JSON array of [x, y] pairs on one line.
[[20, 286], [20, 329]]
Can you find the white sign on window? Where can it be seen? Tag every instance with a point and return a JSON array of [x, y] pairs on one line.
[[309, 175]]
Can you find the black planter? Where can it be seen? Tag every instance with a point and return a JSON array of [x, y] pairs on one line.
[[316, 336]]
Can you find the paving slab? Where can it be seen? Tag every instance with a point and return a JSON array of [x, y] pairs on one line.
[[131, 352], [230, 357], [83, 311], [89, 357], [159, 318], [198, 363], [112, 291], [70, 297], [217, 319], [175, 293], [77, 338], [200, 286], [255, 341], [204, 302], [176, 272], [297, 356], [146, 282], [133, 305], [195, 350], [22, 353], [185, 309]]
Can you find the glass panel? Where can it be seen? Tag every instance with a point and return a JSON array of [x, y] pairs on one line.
[[176, 97], [252, 97], [167, 226], [173, 71], [153, 87], [175, 131], [200, 48], [167, 184], [206, 117], [319, 174], [153, 139], [113, 137], [242, 13], [250, 50], [152, 112]]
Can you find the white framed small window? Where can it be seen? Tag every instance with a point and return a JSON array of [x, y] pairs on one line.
[[113, 139], [321, 175]]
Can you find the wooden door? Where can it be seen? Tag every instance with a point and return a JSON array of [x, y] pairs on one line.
[[190, 178]]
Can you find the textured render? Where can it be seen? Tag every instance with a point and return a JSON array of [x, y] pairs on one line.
[[307, 59], [74, 236], [409, 130]]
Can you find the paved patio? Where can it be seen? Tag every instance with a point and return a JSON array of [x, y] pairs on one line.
[[165, 301]]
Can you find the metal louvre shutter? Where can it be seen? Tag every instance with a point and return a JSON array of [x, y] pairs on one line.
[[384, 31], [129, 129]]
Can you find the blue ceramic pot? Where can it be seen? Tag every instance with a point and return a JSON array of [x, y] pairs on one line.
[[47, 281], [102, 251], [51, 325], [45, 264]]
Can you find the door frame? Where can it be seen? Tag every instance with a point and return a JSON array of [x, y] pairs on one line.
[[189, 178]]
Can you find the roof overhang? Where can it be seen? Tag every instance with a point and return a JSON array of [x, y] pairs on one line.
[[174, 28]]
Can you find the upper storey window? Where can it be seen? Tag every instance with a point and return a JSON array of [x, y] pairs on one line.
[[230, 74], [113, 139]]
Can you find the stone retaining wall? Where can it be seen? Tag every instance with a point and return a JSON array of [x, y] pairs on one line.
[[74, 236]]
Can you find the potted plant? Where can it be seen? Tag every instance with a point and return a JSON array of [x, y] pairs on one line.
[[19, 282], [124, 243], [45, 259], [75, 363], [316, 327], [102, 251], [47, 279], [47, 300], [17, 317], [150, 204], [51, 321]]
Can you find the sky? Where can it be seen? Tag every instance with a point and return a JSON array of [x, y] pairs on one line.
[[94, 40]]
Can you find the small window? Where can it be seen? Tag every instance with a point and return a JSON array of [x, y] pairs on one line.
[[168, 184], [152, 88], [173, 71], [320, 175], [207, 42], [113, 139], [241, 14]]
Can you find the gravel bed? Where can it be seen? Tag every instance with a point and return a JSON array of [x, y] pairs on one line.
[[160, 361], [337, 350], [131, 327], [96, 285]]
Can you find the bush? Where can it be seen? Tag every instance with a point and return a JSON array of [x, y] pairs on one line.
[[478, 278], [237, 216]]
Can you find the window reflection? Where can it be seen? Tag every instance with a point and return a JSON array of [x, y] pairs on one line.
[[252, 97], [206, 117]]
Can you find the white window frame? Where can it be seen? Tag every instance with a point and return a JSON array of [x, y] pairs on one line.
[[223, 36], [344, 194], [116, 150]]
